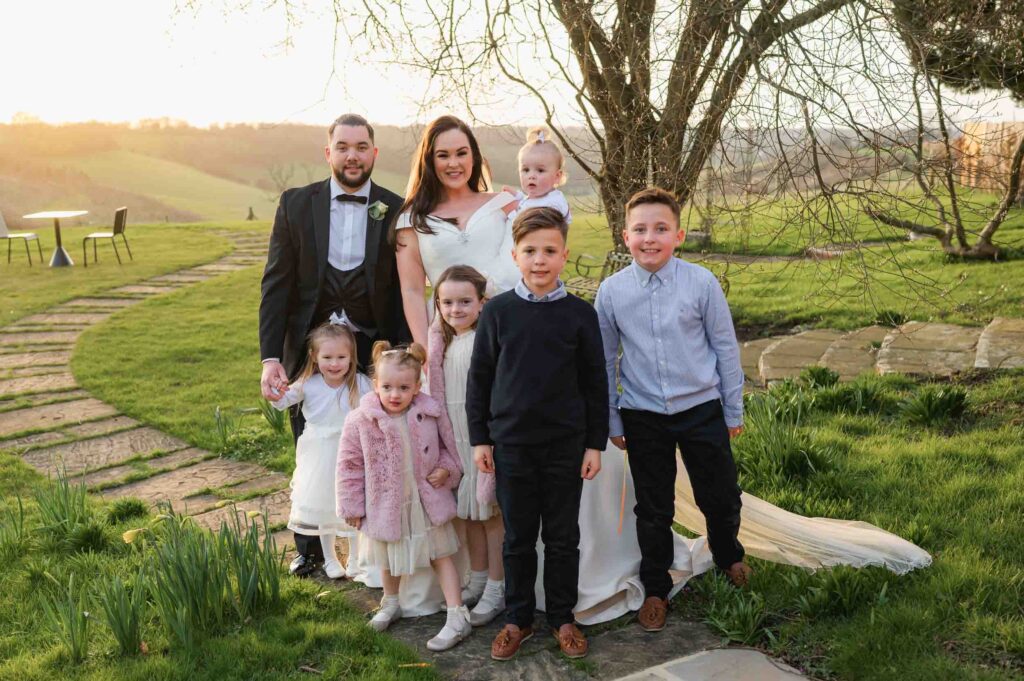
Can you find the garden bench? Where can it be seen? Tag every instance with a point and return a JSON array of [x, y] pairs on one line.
[[584, 285]]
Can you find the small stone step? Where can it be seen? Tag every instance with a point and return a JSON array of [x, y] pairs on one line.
[[219, 269], [928, 348], [37, 384], [33, 359], [144, 289], [52, 437], [25, 401], [52, 416], [38, 338], [74, 318], [21, 444], [733, 664], [21, 372], [277, 505], [787, 357], [37, 328], [181, 278], [98, 302], [750, 354], [158, 464], [101, 452], [177, 485], [1001, 345], [271, 481], [854, 353], [102, 427]]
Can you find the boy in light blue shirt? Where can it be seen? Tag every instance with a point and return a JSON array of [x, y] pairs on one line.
[[682, 385]]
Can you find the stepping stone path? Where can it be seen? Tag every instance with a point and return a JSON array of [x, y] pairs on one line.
[[50, 422]]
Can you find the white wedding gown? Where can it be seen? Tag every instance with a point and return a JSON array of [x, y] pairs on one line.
[[609, 581]]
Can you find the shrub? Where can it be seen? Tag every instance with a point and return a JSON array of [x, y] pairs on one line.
[[773, 449], [737, 614], [784, 401], [126, 508], [890, 318], [123, 606], [862, 396], [277, 418], [12, 533], [63, 506], [66, 614], [226, 425], [935, 405], [90, 536], [815, 377], [255, 564]]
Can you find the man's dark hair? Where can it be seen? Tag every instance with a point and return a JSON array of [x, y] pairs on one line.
[[534, 219], [653, 195], [354, 120]]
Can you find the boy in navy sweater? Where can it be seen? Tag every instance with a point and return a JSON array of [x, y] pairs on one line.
[[537, 405]]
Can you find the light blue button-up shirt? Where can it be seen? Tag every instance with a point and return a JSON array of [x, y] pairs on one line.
[[678, 344], [524, 292]]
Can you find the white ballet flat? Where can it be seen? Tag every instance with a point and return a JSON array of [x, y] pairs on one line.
[[385, 618], [452, 633], [479, 618], [334, 569]]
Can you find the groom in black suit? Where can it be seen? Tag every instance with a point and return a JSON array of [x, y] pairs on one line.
[[329, 254]]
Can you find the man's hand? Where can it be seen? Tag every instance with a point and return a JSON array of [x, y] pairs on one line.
[[438, 476], [735, 431], [354, 522], [274, 382], [483, 457], [619, 441], [591, 464]]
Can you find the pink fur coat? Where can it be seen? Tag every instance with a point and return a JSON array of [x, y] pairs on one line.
[[370, 465], [485, 489]]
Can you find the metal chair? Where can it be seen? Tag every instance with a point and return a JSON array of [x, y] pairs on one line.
[[26, 236], [120, 222]]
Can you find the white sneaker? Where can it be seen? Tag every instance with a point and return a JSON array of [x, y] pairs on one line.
[[334, 569], [456, 628], [485, 612], [385, 617]]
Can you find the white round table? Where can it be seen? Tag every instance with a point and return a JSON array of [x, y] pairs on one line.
[[60, 257]]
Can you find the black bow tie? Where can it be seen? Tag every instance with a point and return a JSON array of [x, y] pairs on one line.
[[350, 197]]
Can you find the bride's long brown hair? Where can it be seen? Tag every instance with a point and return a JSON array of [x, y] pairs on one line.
[[425, 190]]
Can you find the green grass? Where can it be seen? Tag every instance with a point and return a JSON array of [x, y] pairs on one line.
[[158, 249], [309, 629]]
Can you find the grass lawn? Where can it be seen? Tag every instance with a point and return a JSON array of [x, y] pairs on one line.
[[158, 249], [307, 628]]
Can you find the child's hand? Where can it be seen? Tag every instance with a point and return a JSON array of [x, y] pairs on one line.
[[483, 457], [735, 432], [509, 189], [354, 522], [438, 476], [619, 441], [591, 464]]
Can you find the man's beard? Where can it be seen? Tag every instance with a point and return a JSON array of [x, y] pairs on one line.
[[353, 184]]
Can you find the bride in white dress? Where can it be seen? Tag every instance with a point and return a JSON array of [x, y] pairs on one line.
[[464, 225]]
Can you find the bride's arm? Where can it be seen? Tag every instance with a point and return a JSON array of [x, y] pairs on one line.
[[412, 277]]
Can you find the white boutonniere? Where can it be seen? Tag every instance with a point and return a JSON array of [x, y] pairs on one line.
[[377, 210]]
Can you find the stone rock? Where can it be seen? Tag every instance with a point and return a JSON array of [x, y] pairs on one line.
[[38, 338], [179, 484], [1001, 345], [101, 452], [51, 416], [37, 384], [34, 359], [854, 353], [928, 348], [726, 664], [750, 354], [167, 462], [786, 357]]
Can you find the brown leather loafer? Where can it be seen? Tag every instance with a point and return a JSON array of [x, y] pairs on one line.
[[739, 573], [506, 643], [571, 640], [653, 613]]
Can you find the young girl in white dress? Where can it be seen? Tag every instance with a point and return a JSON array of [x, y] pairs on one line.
[[328, 388], [459, 295], [541, 172], [397, 467]]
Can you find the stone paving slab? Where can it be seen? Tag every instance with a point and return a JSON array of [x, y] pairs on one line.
[[102, 427], [36, 328], [928, 348], [38, 338], [277, 506], [37, 384], [166, 462], [19, 372], [854, 353], [726, 664], [220, 269], [787, 357], [144, 289], [97, 302], [100, 452], [181, 483], [23, 401], [626, 649], [181, 278], [750, 353], [33, 359], [51, 416], [1001, 345], [269, 481], [36, 440], [85, 318]]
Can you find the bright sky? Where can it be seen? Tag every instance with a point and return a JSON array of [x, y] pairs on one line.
[[125, 60]]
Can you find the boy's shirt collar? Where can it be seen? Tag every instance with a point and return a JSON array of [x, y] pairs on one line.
[[663, 275], [524, 292]]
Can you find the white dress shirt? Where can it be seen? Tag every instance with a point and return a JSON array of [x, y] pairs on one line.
[[347, 245]]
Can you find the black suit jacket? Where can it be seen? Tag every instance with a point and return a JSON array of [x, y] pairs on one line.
[[297, 261]]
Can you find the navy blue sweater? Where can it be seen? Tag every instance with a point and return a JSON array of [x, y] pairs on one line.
[[537, 373]]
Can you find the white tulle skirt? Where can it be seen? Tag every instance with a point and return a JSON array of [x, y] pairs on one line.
[[314, 501]]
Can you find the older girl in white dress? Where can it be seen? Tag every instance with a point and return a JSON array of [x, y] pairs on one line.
[[328, 388]]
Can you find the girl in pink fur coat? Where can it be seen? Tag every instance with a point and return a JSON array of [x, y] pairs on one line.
[[459, 295], [396, 453]]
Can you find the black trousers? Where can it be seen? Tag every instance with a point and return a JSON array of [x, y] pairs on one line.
[[703, 440], [305, 544], [538, 489]]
